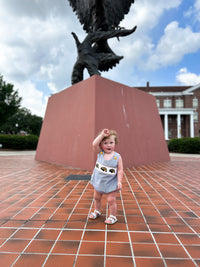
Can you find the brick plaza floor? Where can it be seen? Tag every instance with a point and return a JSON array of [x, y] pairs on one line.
[[44, 218]]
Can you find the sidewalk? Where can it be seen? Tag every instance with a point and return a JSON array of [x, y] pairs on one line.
[[44, 218], [16, 152]]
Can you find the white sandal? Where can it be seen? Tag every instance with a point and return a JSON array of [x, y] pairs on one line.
[[95, 214], [111, 218]]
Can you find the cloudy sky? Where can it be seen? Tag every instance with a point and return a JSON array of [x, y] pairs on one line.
[[37, 50]]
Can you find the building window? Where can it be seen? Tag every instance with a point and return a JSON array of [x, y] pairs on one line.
[[179, 103], [169, 119], [195, 116], [170, 133], [195, 102], [167, 103], [158, 102]]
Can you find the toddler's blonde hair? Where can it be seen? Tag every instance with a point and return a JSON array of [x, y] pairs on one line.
[[112, 132]]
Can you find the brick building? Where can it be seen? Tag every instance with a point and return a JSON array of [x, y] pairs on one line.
[[179, 109]]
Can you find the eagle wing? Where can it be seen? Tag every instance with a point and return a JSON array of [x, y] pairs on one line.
[[100, 14]]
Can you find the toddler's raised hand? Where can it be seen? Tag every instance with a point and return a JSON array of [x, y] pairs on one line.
[[105, 132]]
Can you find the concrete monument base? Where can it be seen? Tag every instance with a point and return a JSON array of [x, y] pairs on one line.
[[76, 115]]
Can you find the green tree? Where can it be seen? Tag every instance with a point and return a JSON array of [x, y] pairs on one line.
[[9, 101], [22, 120]]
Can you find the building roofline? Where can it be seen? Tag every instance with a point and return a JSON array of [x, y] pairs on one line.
[[193, 88], [170, 93], [168, 90]]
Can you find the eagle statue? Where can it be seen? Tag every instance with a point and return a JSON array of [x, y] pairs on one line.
[[100, 20]]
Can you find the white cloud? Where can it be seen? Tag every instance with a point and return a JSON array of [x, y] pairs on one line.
[[138, 49], [36, 45], [41, 9], [33, 45], [185, 77], [52, 87], [146, 14], [197, 5], [174, 44], [32, 98], [194, 11]]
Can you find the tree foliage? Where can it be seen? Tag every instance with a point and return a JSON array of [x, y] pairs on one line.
[[9, 101], [22, 121], [13, 118]]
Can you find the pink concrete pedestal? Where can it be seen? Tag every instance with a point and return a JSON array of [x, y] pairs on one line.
[[75, 116]]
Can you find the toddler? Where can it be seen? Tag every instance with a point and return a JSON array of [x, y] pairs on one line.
[[107, 175]]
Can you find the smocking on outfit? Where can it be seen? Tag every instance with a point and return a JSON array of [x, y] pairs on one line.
[[104, 177]]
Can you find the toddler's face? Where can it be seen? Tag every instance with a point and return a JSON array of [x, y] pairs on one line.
[[108, 145]]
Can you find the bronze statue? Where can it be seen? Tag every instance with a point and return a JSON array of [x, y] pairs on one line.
[[100, 19]]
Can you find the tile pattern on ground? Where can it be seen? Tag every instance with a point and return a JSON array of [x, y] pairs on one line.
[[44, 218]]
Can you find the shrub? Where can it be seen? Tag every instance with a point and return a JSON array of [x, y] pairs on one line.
[[18, 141], [174, 145], [185, 145]]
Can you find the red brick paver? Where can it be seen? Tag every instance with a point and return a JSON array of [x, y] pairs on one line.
[[44, 218]]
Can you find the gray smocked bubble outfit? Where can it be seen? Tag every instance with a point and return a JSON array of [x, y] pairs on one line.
[[104, 177]]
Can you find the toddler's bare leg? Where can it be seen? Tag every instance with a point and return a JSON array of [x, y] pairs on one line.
[[111, 198], [97, 200]]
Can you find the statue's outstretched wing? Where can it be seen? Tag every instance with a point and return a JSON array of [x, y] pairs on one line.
[[100, 14]]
